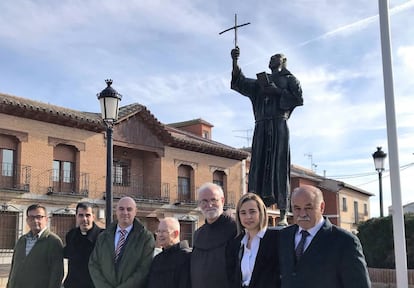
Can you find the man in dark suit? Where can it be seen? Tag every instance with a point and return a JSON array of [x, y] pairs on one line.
[[324, 255], [80, 242]]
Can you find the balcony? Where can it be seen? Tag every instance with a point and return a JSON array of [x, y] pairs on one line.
[[148, 192], [69, 186], [15, 177]]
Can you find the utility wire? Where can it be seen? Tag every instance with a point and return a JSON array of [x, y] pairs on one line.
[[359, 175]]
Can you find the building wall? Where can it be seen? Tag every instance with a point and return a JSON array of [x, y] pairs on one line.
[[37, 152], [348, 218], [204, 166]]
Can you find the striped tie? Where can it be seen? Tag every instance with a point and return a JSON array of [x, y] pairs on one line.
[[120, 244]]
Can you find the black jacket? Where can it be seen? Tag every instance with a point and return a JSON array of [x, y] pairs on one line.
[[171, 267], [78, 249], [266, 268], [334, 258]]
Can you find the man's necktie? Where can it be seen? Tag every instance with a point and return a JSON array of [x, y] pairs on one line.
[[300, 248], [120, 244]]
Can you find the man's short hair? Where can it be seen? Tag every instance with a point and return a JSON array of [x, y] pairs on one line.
[[172, 222], [34, 207], [84, 205]]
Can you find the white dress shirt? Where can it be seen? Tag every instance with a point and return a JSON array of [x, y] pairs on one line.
[[249, 255], [118, 233], [312, 232]]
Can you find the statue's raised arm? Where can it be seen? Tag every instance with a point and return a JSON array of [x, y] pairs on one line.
[[273, 96]]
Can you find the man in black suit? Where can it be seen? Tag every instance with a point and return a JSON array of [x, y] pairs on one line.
[[80, 242], [324, 256]]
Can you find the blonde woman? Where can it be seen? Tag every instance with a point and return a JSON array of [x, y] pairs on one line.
[[253, 256]]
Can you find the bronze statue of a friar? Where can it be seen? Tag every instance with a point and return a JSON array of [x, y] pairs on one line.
[[273, 97]]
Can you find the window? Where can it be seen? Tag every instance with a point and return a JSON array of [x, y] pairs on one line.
[[344, 205], [184, 183], [206, 134], [365, 209], [356, 212], [7, 162], [218, 178], [9, 223], [122, 173], [63, 169], [13, 175], [186, 231]]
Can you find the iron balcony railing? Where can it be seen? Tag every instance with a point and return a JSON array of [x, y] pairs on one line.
[[147, 192], [15, 177], [68, 184]]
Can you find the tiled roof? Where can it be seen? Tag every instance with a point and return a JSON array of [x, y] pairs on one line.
[[22, 107], [190, 141], [36, 110]]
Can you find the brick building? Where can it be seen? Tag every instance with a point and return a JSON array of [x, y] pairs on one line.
[[57, 157]]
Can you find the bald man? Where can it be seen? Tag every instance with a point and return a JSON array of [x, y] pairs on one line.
[[315, 252], [123, 253], [171, 267]]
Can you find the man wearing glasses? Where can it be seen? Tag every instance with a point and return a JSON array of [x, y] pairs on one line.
[[171, 267], [208, 261], [38, 255]]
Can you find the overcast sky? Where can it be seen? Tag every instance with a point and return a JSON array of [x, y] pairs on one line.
[[168, 55]]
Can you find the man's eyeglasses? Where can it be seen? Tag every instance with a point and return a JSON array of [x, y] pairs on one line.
[[205, 202], [162, 232], [37, 217]]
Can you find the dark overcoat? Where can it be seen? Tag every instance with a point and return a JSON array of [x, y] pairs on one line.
[[131, 270], [171, 267], [42, 267]]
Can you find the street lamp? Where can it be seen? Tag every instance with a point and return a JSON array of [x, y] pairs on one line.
[[379, 157], [109, 99]]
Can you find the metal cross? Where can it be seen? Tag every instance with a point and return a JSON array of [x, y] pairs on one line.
[[235, 29]]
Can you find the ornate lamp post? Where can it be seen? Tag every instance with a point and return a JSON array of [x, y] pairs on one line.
[[109, 99], [379, 157]]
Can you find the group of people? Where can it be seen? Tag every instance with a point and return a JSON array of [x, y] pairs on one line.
[[226, 252], [312, 252]]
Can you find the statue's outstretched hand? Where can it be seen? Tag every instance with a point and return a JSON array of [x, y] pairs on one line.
[[235, 53]]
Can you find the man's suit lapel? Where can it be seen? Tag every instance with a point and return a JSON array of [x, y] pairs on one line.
[[291, 251], [319, 243]]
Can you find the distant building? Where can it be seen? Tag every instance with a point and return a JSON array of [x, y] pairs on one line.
[[345, 205], [407, 208]]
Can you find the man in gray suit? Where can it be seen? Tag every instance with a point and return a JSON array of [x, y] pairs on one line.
[[315, 253]]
